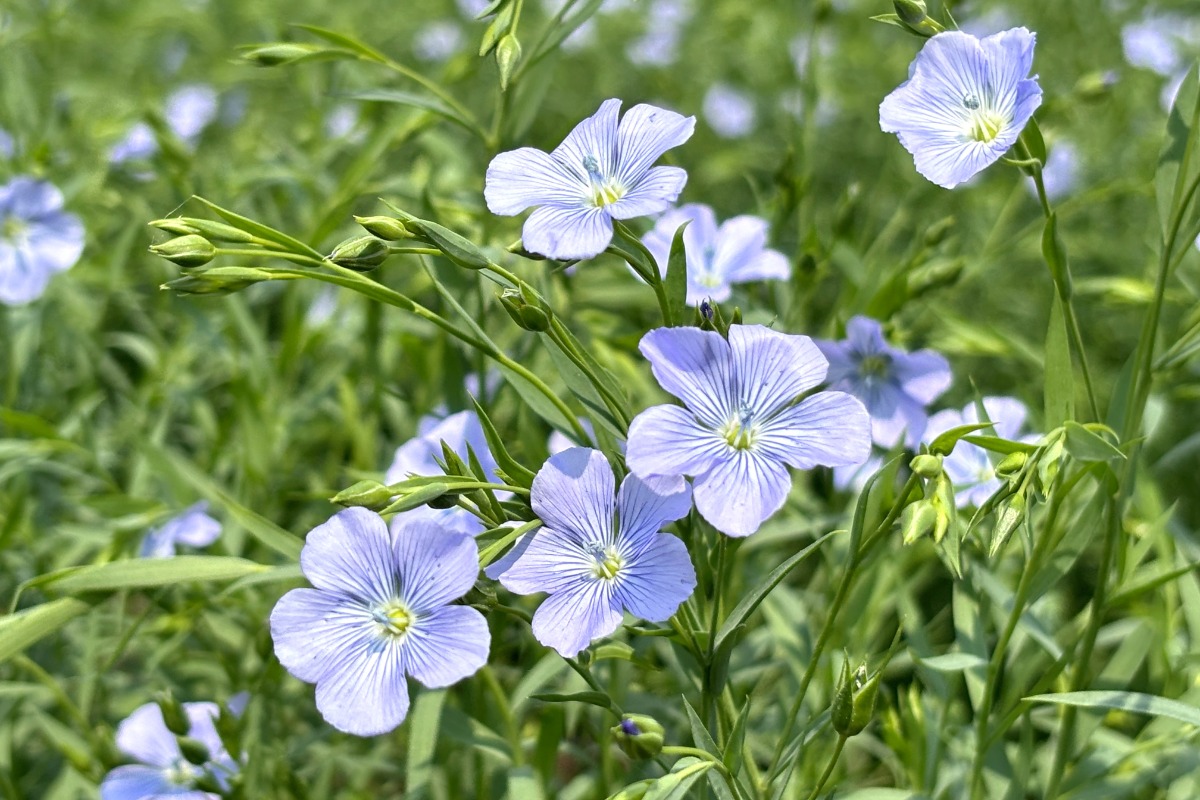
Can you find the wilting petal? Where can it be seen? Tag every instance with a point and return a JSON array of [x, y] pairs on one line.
[[435, 565], [697, 367], [312, 631], [658, 579], [573, 494], [570, 620], [351, 554], [567, 233], [645, 506], [773, 368], [528, 177], [655, 192], [739, 493], [830, 429], [144, 736], [646, 133], [667, 440], [365, 693], [446, 645]]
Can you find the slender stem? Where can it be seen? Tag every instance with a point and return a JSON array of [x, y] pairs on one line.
[[833, 759], [711, 694], [510, 721], [587, 675]]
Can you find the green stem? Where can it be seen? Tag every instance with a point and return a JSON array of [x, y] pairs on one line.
[[833, 759]]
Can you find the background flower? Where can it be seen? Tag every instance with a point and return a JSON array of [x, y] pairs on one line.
[[379, 611], [969, 467], [894, 385], [717, 258], [964, 104], [602, 171], [598, 556], [741, 428], [37, 238], [194, 528]]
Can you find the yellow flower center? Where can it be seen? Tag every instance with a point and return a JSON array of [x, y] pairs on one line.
[[12, 228], [739, 432], [602, 191], [606, 562], [983, 123], [393, 618], [873, 366]]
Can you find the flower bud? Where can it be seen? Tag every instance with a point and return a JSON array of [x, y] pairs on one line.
[[218, 280], [193, 750], [917, 520], [943, 503], [173, 714], [912, 12], [389, 229], [927, 465], [1012, 464], [638, 736], [186, 251], [367, 494], [1007, 521], [527, 316], [706, 309], [1096, 85], [508, 53], [278, 53], [934, 275], [936, 233], [360, 253], [854, 700]]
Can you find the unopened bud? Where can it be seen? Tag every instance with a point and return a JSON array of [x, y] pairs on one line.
[[278, 53], [527, 316], [913, 12], [173, 714], [218, 280], [934, 275], [927, 465], [389, 229], [361, 253], [706, 309], [508, 53], [367, 494], [1096, 85], [936, 233], [1006, 522], [193, 750], [1011, 464], [638, 736], [854, 700], [213, 231], [186, 251], [918, 519]]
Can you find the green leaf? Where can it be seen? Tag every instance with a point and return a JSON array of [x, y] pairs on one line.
[[1085, 444], [348, 42], [1034, 141], [751, 601], [678, 784], [1059, 386], [951, 662], [943, 445], [516, 472], [423, 102], [422, 742], [537, 402], [1056, 256], [261, 528], [523, 783], [1178, 166], [1133, 702], [18, 631], [591, 698], [288, 243], [146, 573], [1002, 446], [704, 740], [676, 281]]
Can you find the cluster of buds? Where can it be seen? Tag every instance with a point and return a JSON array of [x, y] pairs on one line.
[[501, 37], [193, 247]]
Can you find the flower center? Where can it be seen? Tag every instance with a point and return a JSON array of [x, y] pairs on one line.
[[393, 618], [606, 562], [182, 773], [709, 280], [601, 191], [740, 432], [983, 123], [12, 228], [874, 366]]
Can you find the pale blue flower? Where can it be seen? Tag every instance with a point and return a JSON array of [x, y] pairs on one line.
[[188, 111], [1060, 174], [472, 8], [741, 426], [601, 552], [7, 145], [194, 528], [659, 45], [728, 111], [163, 772], [1153, 43], [438, 40], [37, 239], [380, 611], [855, 476], [139, 143], [970, 467], [717, 258], [894, 385], [420, 456], [601, 172], [965, 102]]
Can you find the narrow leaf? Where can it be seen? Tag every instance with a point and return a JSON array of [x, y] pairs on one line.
[[1059, 386], [18, 631], [1133, 702]]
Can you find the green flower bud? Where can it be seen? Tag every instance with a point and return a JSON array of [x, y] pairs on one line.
[[193, 750], [854, 701], [1012, 464], [218, 280], [912, 12], [428, 494], [943, 503], [174, 225], [213, 231], [927, 465], [865, 697], [527, 316], [934, 275], [1007, 521], [173, 714], [841, 712], [360, 253], [278, 53], [186, 251], [367, 494], [389, 229], [508, 53], [638, 736], [918, 519], [1095, 85], [936, 233]]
